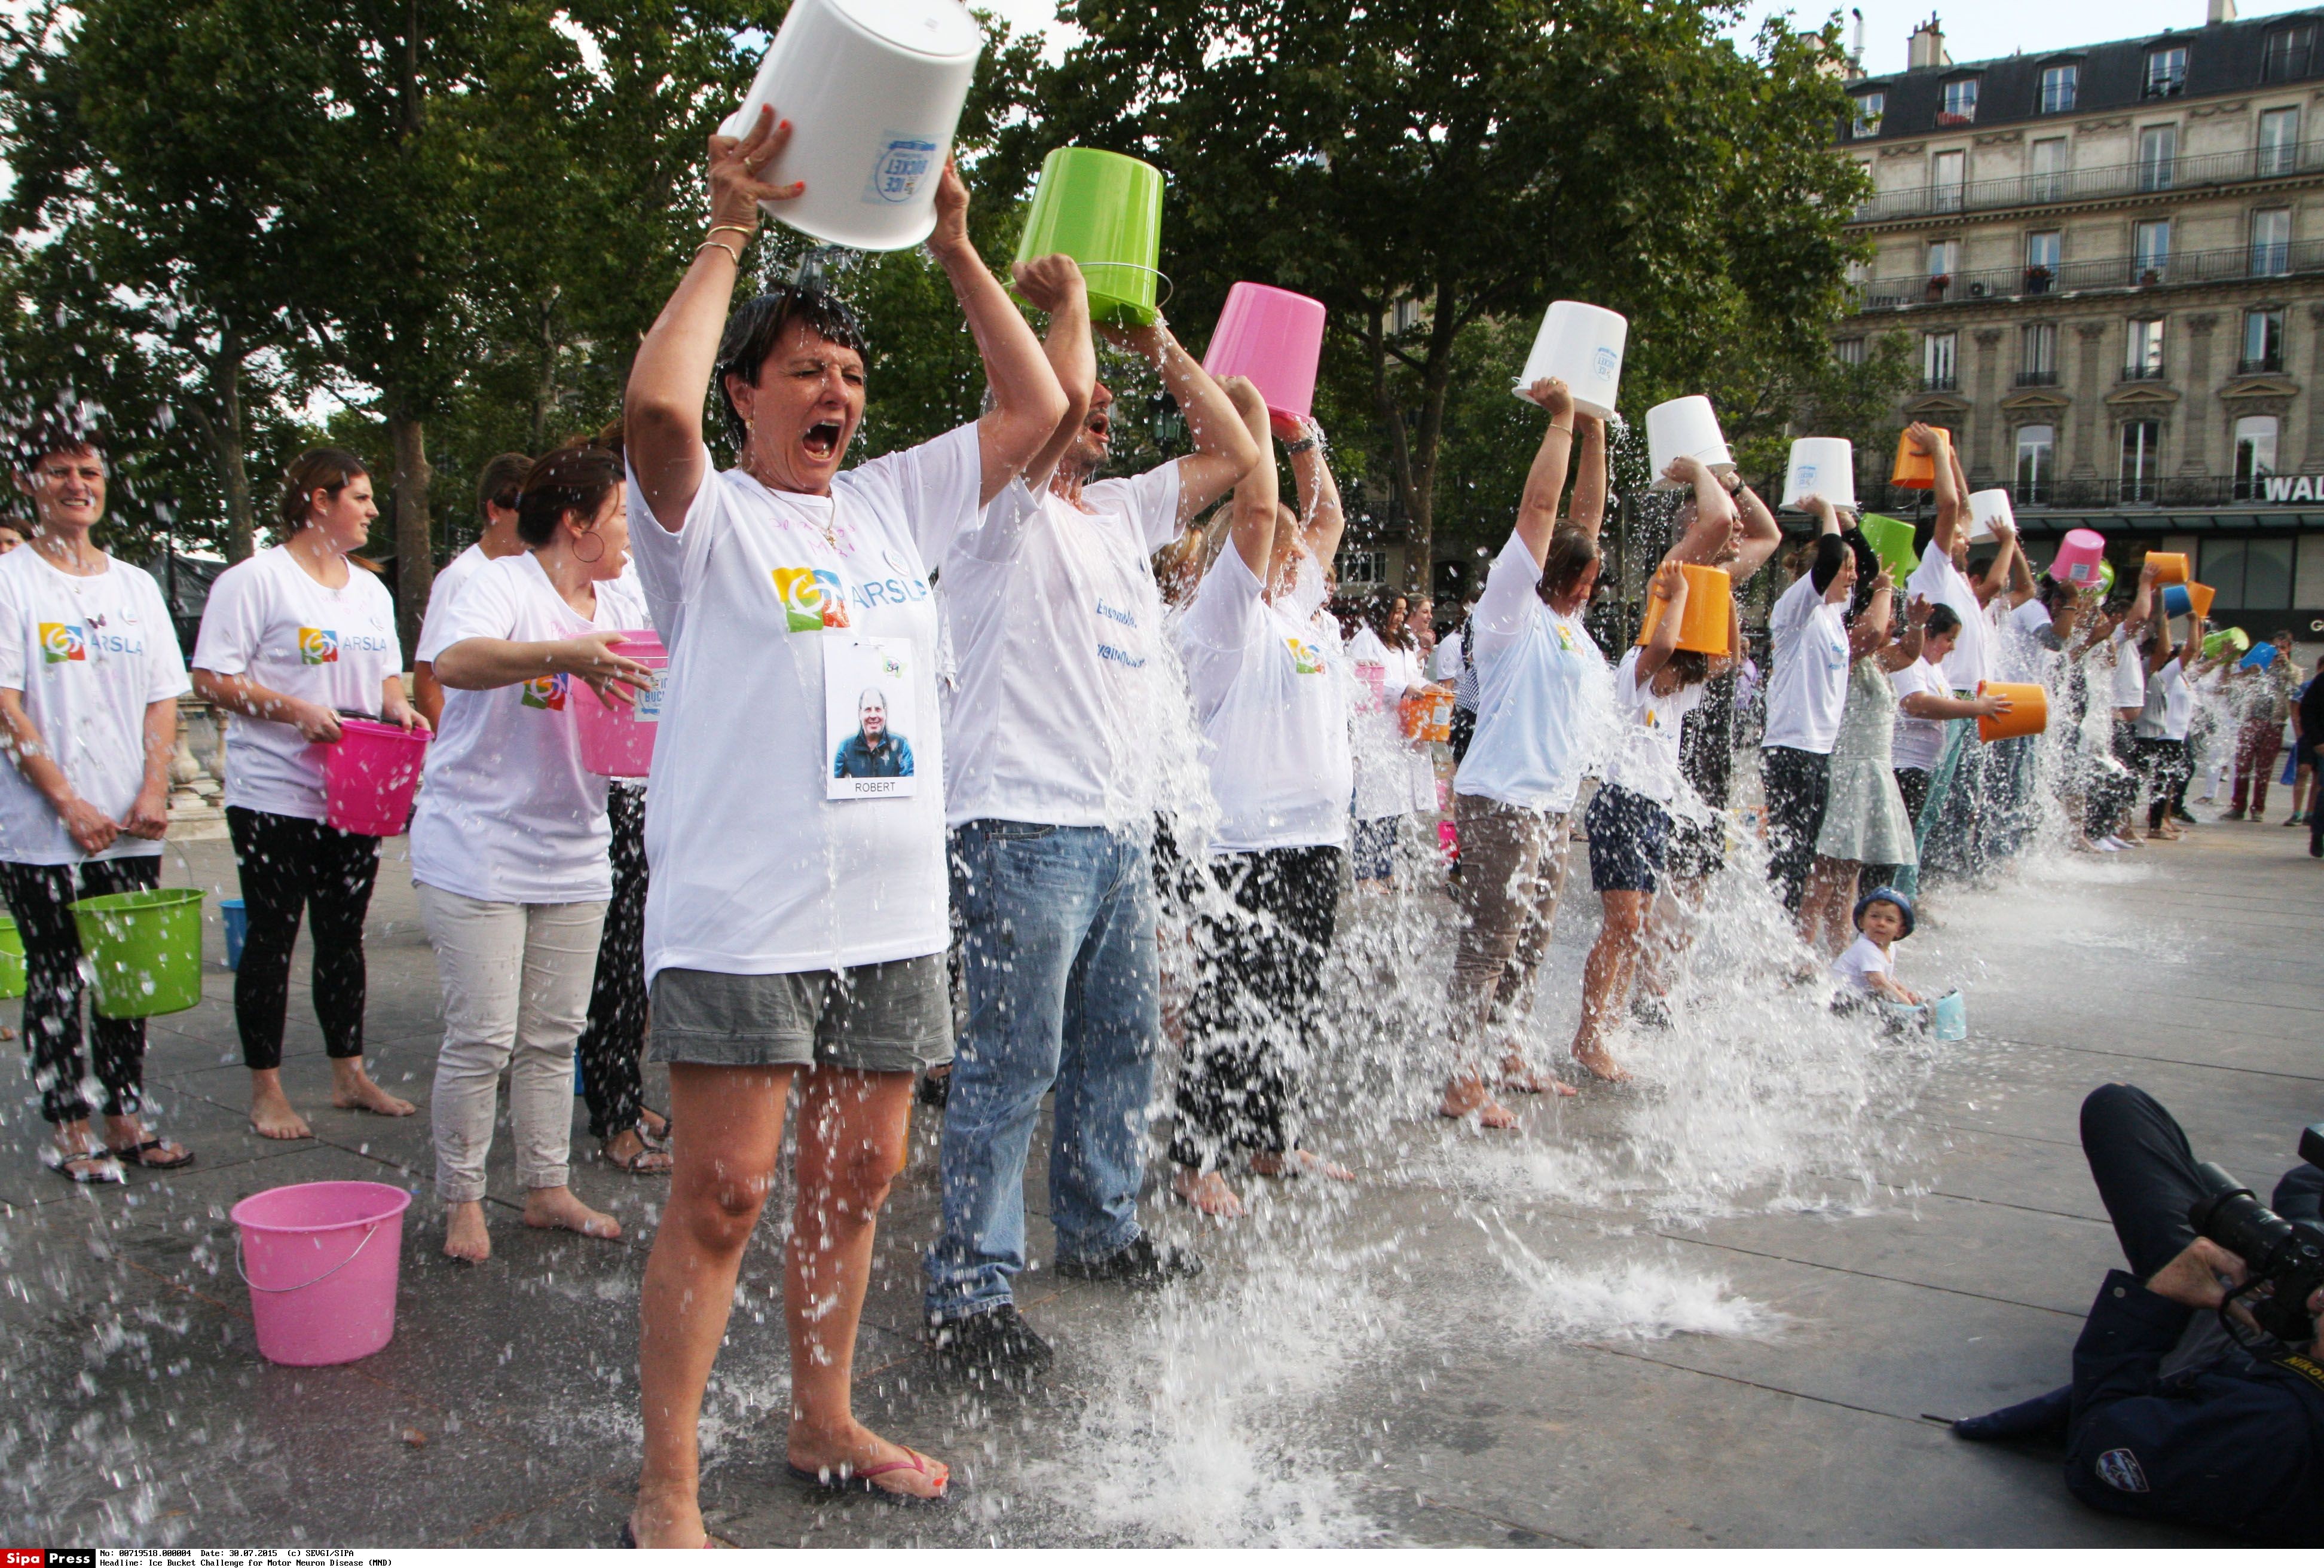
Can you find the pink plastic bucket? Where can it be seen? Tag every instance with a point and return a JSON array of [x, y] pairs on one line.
[[370, 776], [617, 740], [2080, 555], [1275, 337], [1448, 840], [320, 1259]]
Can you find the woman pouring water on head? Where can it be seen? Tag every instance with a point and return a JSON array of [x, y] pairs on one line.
[[796, 925]]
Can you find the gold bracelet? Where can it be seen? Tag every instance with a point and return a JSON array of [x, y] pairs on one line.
[[748, 234], [719, 245]]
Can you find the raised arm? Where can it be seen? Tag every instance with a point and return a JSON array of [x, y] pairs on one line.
[[2190, 652], [1253, 525], [1587, 511], [1870, 632], [1905, 651], [1055, 284], [662, 408], [2134, 619], [1026, 401], [1996, 576], [1321, 519], [1932, 443], [1224, 449], [1712, 533], [1669, 586], [1545, 483], [1761, 536], [1827, 516], [2022, 586]]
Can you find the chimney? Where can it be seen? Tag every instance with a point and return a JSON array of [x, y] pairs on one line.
[[2221, 10], [1856, 52], [1927, 49]]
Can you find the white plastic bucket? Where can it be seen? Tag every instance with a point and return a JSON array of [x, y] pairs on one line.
[[1684, 428], [1824, 467], [1582, 345], [873, 89], [1986, 508]]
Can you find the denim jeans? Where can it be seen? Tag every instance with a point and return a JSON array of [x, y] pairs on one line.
[[1058, 963]]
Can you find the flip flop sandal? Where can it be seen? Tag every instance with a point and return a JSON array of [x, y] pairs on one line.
[[141, 1155], [107, 1169], [635, 1164], [858, 1482], [658, 1140]]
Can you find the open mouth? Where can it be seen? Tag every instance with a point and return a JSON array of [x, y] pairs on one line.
[[1101, 426], [822, 440]]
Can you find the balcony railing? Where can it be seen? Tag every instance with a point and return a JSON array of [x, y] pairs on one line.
[[2142, 372], [2191, 492], [2227, 265], [2267, 364], [2189, 171], [1947, 382], [2037, 378]]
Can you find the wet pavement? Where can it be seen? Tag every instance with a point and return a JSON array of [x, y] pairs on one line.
[[1487, 1340]]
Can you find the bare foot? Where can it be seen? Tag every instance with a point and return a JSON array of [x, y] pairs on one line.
[[855, 1448], [668, 1519], [1599, 1065], [1206, 1192], [1468, 1097], [353, 1090], [1517, 1076], [629, 1151], [1300, 1162], [271, 1115], [464, 1236], [555, 1208]]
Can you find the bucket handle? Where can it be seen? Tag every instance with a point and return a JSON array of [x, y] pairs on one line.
[[1168, 288], [369, 1230]]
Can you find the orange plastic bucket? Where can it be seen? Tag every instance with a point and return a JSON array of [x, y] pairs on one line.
[[2199, 600], [2169, 566], [1709, 608], [1428, 715], [2029, 711], [1915, 469]]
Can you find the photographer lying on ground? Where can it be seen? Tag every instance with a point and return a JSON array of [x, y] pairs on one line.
[[2173, 1415]]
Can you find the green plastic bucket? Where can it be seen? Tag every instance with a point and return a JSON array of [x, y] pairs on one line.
[[12, 960], [143, 948], [1106, 211], [1892, 540]]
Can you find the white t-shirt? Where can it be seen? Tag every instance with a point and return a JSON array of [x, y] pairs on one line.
[[756, 871], [1917, 742], [333, 647], [2169, 704], [1937, 581], [440, 595], [1808, 687], [1445, 664], [1054, 613], [1644, 758], [1859, 962], [1270, 687], [2129, 686], [507, 814], [1545, 696], [89, 653], [1392, 774]]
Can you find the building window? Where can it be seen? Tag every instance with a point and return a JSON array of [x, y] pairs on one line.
[[2262, 341], [2143, 352], [2151, 249], [2248, 573], [1362, 569], [1869, 107], [2166, 71], [2049, 169], [1849, 350], [2060, 83], [1960, 102], [2279, 142], [2158, 154], [2271, 242], [2255, 454], [1944, 258], [2285, 55], [2036, 444], [2042, 252], [2142, 459], [1948, 171], [1937, 364], [2037, 355]]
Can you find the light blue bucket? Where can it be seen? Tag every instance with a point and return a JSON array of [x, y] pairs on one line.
[[1949, 1016], [237, 915]]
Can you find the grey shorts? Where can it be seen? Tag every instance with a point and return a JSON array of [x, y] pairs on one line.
[[878, 1018]]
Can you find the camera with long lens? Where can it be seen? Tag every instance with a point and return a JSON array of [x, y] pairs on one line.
[[2284, 1259]]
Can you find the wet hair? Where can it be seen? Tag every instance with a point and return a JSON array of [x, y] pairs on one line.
[[1572, 553], [1692, 665], [53, 433], [1382, 610], [1832, 554], [329, 469], [1943, 621], [758, 325], [574, 478], [502, 478]]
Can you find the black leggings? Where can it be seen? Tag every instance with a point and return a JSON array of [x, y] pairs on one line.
[[1795, 784], [2145, 1173], [289, 864], [1263, 981], [2169, 764], [39, 896], [615, 1035]]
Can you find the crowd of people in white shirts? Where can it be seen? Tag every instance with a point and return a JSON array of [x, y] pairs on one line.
[[916, 761]]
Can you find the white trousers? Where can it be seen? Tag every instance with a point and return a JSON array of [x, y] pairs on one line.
[[516, 980]]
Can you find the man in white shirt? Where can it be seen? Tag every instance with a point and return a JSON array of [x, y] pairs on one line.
[[1050, 771]]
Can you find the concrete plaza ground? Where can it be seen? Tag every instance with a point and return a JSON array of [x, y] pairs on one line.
[[1484, 1343]]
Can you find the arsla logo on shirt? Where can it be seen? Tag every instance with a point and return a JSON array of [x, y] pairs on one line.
[[545, 692], [1564, 640], [1307, 658], [812, 600], [61, 640], [317, 645]]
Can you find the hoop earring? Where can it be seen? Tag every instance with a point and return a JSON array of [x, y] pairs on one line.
[[590, 560]]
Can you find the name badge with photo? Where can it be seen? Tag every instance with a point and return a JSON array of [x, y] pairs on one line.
[[870, 709]]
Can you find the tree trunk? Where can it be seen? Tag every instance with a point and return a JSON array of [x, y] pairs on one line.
[[1435, 383], [234, 473], [415, 549]]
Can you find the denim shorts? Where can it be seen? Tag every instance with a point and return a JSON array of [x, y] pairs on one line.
[[876, 1018], [1374, 850], [1629, 838]]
